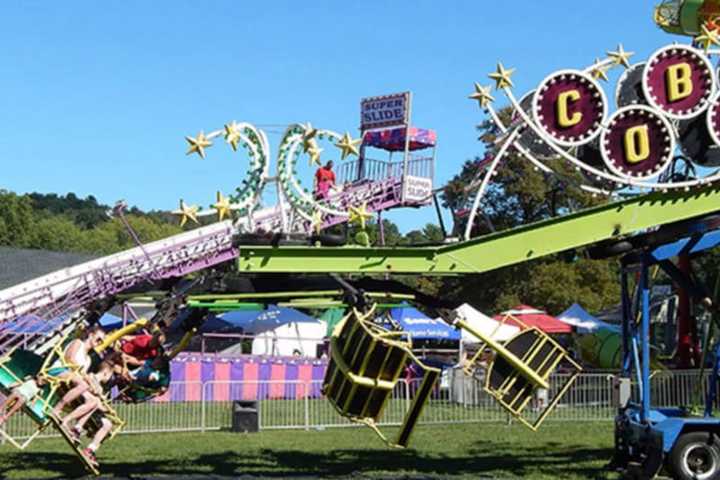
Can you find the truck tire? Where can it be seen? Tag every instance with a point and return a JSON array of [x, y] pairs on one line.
[[696, 456]]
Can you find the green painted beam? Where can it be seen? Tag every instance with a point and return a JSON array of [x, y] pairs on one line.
[[226, 305], [492, 251], [269, 295], [307, 294]]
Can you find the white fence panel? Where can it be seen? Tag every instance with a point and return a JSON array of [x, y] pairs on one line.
[[190, 406]]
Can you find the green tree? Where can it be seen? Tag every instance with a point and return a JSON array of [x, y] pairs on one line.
[[60, 234], [86, 213], [17, 220], [112, 236], [429, 234], [517, 195]]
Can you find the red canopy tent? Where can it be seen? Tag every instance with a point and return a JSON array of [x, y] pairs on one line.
[[532, 317]]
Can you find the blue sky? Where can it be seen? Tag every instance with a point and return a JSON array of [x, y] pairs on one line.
[[97, 96]]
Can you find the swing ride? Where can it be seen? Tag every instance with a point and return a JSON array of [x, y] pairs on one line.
[[650, 149]]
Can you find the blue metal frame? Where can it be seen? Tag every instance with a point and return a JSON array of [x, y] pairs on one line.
[[639, 426]]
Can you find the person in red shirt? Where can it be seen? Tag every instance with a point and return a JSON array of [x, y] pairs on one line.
[[142, 348], [324, 180]]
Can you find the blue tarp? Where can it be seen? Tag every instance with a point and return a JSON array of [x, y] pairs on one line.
[[257, 321], [31, 324], [110, 322], [422, 327]]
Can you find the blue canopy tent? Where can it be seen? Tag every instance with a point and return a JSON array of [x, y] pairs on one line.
[[215, 323], [422, 327], [264, 320]]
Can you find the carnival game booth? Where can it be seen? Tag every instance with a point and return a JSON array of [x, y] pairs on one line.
[[244, 377]]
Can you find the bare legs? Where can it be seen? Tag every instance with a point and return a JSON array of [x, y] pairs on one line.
[[79, 388], [89, 405], [15, 402]]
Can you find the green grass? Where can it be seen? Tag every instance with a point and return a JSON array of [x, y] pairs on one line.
[[560, 450]]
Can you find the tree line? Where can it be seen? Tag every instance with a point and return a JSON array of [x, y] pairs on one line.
[[71, 224]]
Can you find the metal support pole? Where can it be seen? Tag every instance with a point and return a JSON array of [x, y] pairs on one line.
[[645, 333], [432, 165], [406, 157], [686, 347], [359, 171], [382, 228], [626, 316], [439, 215]]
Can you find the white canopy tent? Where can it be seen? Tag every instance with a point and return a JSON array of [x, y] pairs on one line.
[[285, 339], [481, 322], [583, 321]]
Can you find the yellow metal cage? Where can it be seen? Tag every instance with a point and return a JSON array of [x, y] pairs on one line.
[[366, 363]]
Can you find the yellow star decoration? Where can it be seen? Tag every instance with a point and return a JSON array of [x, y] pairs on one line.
[[482, 95], [360, 215], [232, 135], [708, 37], [317, 221], [599, 71], [309, 136], [502, 77], [222, 205], [186, 212], [314, 153], [620, 56], [198, 144], [348, 146], [310, 144]]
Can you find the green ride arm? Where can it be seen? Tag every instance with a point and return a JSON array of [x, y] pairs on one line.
[[491, 251]]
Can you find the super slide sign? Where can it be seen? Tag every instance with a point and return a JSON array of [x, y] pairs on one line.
[[384, 111]]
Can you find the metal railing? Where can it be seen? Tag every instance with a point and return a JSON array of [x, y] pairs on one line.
[[378, 170], [299, 404]]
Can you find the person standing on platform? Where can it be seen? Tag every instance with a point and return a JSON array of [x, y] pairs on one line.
[[324, 180]]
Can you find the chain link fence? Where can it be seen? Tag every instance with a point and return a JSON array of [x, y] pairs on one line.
[[300, 404]]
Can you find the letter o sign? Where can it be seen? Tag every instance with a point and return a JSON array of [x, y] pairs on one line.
[[637, 143], [713, 119], [679, 81], [570, 107]]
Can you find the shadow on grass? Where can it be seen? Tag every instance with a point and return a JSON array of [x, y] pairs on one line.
[[63, 464], [484, 460]]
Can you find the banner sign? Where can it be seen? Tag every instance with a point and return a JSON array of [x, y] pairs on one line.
[[385, 111], [417, 189]]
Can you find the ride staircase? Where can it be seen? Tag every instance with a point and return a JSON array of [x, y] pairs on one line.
[[376, 194]]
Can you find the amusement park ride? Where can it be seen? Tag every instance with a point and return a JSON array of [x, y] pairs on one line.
[[652, 148]]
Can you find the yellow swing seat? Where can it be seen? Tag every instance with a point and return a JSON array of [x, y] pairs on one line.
[[366, 363], [15, 367], [521, 370]]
